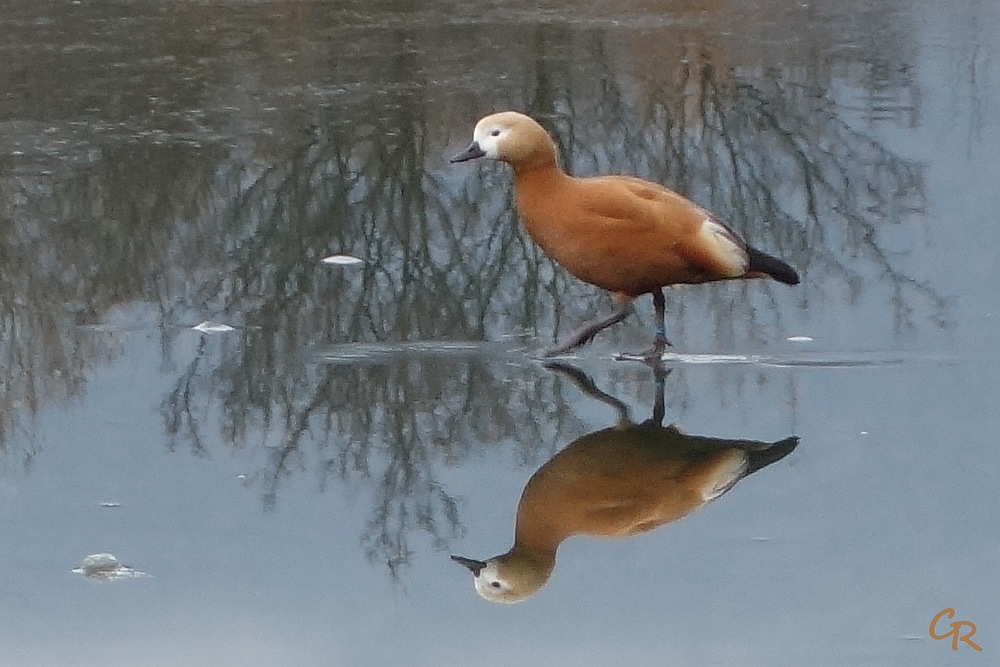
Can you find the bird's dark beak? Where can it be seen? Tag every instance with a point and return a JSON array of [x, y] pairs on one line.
[[470, 153], [474, 566]]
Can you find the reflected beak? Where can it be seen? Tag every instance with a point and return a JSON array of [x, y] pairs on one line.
[[470, 153], [474, 566]]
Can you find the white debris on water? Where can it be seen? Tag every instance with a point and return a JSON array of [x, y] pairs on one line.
[[342, 260], [105, 567], [704, 358], [799, 339], [212, 327]]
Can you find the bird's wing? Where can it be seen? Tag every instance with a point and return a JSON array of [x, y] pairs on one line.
[[635, 206]]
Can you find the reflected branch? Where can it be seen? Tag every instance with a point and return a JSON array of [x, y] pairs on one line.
[[158, 227]]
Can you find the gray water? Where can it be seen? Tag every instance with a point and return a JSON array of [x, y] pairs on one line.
[[294, 487]]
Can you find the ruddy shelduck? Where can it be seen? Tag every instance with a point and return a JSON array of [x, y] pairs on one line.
[[617, 482], [620, 233]]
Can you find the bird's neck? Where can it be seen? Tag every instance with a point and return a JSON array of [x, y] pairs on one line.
[[537, 542], [539, 192], [542, 169], [532, 567], [540, 528], [526, 570]]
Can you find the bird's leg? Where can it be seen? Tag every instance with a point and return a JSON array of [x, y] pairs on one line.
[[659, 406], [660, 342], [587, 386], [587, 332]]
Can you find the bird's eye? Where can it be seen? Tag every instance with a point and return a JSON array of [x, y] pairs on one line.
[[495, 584], [495, 133]]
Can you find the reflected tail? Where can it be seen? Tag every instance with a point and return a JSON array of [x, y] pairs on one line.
[[764, 457]]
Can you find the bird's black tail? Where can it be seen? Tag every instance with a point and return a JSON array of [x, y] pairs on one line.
[[761, 262], [761, 458]]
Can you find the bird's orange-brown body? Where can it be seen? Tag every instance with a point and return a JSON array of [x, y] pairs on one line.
[[620, 482], [620, 233], [623, 234]]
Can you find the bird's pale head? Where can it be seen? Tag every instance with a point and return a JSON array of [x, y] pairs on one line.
[[510, 137], [507, 579]]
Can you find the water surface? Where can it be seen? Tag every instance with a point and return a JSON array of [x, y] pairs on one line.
[[294, 487]]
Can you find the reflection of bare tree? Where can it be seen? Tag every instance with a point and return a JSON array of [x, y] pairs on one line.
[[445, 259], [383, 428], [191, 214], [42, 361], [771, 154]]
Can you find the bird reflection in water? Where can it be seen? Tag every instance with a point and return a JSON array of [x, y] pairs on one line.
[[616, 482]]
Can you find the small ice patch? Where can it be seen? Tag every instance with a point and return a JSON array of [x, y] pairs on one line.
[[342, 260], [105, 567], [212, 327]]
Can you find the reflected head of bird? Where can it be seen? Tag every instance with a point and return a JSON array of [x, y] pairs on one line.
[[510, 137], [509, 578]]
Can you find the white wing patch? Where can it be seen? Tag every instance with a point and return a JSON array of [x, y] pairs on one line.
[[724, 247], [727, 473]]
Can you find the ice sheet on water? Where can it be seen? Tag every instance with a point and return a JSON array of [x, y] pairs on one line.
[[106, 567]]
